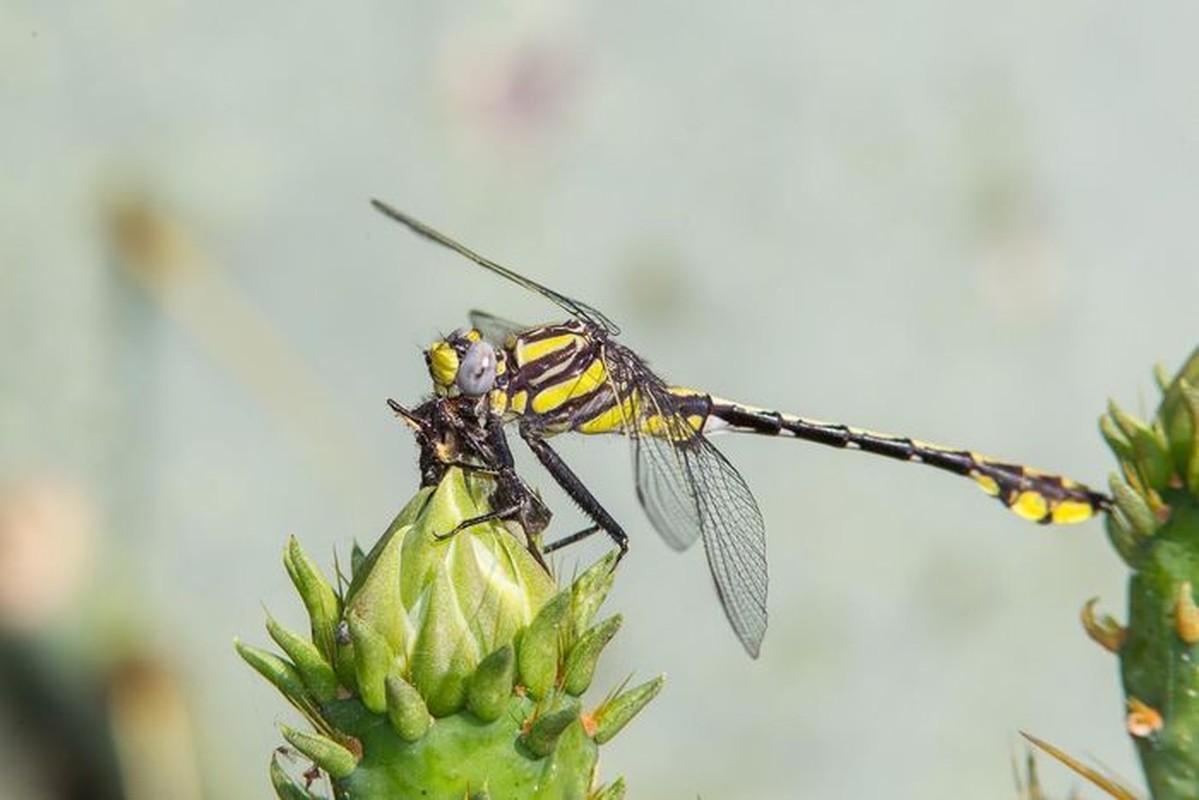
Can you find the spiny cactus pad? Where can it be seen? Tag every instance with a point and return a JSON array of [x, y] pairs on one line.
[[449, 667]]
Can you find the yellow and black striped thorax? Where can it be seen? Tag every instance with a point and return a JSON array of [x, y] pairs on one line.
[[569, 376], [554, 375], [562, 377], [573, 376]]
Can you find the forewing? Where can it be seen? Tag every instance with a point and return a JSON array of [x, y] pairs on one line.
[[576, 308], [495, 330], [734, 540]]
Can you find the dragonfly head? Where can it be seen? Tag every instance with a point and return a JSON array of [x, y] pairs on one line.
[[462, 363]]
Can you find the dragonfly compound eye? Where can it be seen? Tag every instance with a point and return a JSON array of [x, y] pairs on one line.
[[476, 372]]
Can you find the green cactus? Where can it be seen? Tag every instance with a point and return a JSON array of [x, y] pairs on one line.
[[1154, 525], [450, 667]]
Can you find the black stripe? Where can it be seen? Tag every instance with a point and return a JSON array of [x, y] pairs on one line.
[[1011, 479], [901, 448], [769, 423], [571, 360]]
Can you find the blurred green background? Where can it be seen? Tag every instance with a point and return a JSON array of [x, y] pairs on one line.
[[968, 222]]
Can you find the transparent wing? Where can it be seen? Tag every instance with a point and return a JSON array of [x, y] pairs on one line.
[[575, 308], [495, 330], [669, 502], [734, 540], [689, 489]]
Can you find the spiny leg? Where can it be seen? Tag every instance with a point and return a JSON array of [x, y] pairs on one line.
[[566, 541], [578, 492], [514, 499], [522, 504], [497, 513]]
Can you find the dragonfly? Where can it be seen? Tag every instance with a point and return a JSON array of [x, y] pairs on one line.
[[575, 376]]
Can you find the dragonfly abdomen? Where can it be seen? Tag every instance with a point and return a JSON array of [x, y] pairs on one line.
[[1034, 495]]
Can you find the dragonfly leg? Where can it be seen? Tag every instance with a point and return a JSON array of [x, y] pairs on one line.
[[578, 492], [500, 513], [514, 511], [472, 467], [410, 418], [567, 541], [528, 510]]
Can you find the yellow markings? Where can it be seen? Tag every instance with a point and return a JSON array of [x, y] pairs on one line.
[[655, 425], [473, 335], [444, 451], [592, 378], [614, 420], [696, 421], [443, 364], [661, 427], [1068, 512], [499, 401], [528, 351], [1056, 507], [516, 403], [986, 483], [1030, 505], [574, 386]]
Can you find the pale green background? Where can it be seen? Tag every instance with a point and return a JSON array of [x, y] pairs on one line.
[[969, 222]]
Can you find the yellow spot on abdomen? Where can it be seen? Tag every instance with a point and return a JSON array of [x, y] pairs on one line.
[[655, 426], [986, 483], [1071, 511], [674, 429], [1030, 505]]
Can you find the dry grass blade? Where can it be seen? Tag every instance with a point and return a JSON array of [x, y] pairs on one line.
[[1108, 784]]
